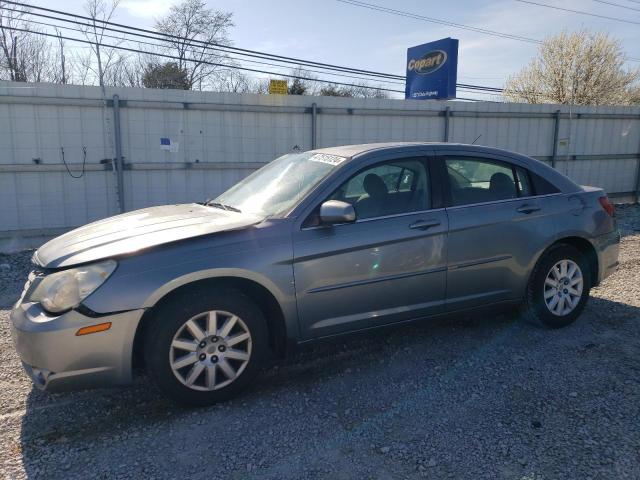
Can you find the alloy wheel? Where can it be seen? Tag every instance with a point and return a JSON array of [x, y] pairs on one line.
[[210, 350]]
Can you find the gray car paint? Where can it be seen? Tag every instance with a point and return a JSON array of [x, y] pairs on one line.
[[132, 231], [353, 267], [491, 245], [323, 278]]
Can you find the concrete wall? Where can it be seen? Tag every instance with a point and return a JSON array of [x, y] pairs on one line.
[[222, 137]]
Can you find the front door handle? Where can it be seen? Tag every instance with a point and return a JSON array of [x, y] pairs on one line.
[[424, 224], [528, 209]]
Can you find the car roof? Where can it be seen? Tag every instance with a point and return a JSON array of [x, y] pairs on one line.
[[353, 150], [350, 151], [538, 167]]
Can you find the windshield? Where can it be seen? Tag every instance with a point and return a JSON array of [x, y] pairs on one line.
[[279, 185]]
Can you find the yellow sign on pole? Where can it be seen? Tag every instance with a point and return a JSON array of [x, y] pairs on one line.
[[278, 87]]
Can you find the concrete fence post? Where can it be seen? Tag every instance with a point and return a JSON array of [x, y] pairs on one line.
[[556, 130], [447, 116], [118, 146], [314, 125]]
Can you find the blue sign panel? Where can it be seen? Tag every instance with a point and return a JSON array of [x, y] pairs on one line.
[[432, 70]]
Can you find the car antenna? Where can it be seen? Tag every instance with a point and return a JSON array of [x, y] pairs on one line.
[[477, 138]]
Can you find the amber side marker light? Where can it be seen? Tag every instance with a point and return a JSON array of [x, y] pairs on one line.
[[101, 327]]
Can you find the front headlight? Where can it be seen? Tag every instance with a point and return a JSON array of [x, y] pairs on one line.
[[65, 290]]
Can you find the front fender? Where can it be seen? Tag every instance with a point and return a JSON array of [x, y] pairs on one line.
[[212, 274], [141, 280]]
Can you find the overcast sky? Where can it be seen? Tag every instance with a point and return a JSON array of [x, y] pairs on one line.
[[334, 32]]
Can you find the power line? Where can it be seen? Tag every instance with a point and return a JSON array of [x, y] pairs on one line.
[[439, 21], [149, 34], [577, 11], [154, 35], [104, 35], [415, 16], [462, 87], [174, 57], [208, 45], [224, 66], [618, 5]]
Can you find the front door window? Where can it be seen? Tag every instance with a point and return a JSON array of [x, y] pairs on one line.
[[387, 189]]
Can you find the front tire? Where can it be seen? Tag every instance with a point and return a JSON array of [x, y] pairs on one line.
[[204, 347], [559, 287]]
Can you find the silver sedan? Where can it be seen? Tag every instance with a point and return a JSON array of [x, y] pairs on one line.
[[312, 245]]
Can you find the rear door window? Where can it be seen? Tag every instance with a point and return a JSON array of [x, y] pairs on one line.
[[477, 180]]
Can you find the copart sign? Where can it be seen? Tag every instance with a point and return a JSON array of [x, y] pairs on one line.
[[432, 70]]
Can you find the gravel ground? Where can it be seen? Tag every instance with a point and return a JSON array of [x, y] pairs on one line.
[[479, 397]]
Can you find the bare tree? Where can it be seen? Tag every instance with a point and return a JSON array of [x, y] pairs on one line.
[[581, 68], [233, 80], [331, 90], [194, 29], [117, 75], [364, 90], [132, 71], [37, 61], [82, 67], [360, 90], [122, 71], [9, 39], [25, 56], [260, 85], [61, 74], [106, 58]]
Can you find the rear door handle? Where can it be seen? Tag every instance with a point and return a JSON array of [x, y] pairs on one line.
[[528, 209], [424, 224]]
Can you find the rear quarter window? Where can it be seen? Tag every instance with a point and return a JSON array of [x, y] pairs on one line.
[[542, 186]]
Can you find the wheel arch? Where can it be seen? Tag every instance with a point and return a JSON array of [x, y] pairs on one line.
[[585, 247], [589, 251], [264, 298]]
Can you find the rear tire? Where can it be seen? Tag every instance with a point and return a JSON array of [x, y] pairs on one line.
[[558, 288], [205, 347]]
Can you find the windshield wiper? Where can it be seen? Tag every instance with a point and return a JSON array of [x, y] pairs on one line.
[[223, 206]]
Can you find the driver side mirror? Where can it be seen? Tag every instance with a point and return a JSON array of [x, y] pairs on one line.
[[335, 211]]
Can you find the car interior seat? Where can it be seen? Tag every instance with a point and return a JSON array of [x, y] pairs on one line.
[[376, 201], [501, 186]]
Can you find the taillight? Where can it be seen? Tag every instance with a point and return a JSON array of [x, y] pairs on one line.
[[607, 205]]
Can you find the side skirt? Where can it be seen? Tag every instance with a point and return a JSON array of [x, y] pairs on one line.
[[495, 307]]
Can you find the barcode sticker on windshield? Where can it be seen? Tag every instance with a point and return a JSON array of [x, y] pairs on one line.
[[325, 158]]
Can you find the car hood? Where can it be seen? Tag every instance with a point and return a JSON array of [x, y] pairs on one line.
[[137, 230]]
